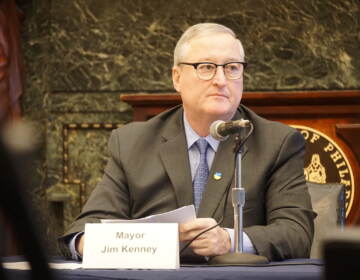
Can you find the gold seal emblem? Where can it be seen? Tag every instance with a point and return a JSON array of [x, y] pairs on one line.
[[325, 162], [315, 171]]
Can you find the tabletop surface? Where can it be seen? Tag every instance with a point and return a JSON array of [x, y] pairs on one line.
[[289, 269]]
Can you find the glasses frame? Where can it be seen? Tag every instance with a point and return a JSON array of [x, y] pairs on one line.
[[195, 65]]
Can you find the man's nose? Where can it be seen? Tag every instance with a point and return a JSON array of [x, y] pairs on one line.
[[219, 78]]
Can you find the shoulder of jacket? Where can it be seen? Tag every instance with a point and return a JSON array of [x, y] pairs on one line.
[[264, 123], [152, 125]]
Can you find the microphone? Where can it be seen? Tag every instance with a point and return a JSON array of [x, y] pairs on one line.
[[221, 130]]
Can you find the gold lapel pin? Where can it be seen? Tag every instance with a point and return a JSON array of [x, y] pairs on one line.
[[217, 176]]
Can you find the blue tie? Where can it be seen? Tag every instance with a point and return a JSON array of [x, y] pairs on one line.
[[202, 172]]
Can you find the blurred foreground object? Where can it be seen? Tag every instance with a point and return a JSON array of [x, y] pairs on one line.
[[341, 250], [17, 143]]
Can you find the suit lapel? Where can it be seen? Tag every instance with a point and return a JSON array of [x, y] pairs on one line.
[[174, 155]]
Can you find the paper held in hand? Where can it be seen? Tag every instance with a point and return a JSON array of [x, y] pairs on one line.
[[131, 245]]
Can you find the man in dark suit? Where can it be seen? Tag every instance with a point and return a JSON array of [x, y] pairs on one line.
[[154, 166]]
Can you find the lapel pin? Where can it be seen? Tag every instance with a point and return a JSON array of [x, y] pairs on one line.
[[217, 175]]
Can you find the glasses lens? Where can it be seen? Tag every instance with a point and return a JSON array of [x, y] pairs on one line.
[[206, 70], [234, 70]]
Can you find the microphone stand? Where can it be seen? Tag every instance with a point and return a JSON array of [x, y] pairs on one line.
[[238, 202]]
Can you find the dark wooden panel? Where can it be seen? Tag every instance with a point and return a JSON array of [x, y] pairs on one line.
[[333, 115], [351, 135]]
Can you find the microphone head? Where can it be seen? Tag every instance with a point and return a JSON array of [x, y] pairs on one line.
[[214, 128], [241, 123]]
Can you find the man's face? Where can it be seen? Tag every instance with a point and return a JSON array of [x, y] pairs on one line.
[[219, 97]]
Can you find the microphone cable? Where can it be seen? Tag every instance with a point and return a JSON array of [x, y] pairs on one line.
[[237, 148]]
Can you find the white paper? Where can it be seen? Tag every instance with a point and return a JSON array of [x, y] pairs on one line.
[[26, 265], [66, 265], [180, 215], [16, 265]]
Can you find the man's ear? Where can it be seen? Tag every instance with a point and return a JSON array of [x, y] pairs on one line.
[[176, 73]]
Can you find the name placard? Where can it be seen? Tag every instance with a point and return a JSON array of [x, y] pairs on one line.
[[131, 245]]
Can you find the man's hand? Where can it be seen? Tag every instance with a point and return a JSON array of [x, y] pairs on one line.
[[212, 243], [79, 244]]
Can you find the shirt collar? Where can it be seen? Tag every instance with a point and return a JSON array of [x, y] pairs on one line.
[[192, 136]]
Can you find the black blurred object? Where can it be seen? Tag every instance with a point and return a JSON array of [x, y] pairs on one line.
[[341, 250], [17, 141]]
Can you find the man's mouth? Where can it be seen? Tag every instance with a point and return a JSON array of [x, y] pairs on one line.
[[219, 95]]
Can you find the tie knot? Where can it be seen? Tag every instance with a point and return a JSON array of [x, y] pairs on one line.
[[202, 145]]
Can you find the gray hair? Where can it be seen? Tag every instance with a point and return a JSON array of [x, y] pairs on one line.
[[199, 30]]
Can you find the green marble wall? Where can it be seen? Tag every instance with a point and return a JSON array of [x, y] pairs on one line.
[[81, 54]]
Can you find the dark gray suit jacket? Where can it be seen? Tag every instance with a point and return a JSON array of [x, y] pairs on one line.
[[149, 173]]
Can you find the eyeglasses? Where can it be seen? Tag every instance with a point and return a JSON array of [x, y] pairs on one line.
[[207, 70]]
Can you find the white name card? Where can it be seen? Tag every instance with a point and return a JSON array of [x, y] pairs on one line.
[[131, 245]]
